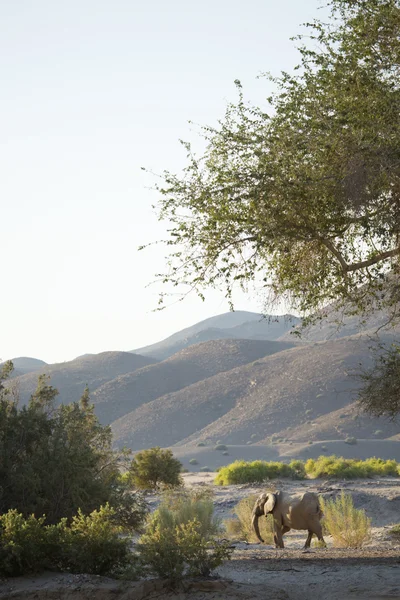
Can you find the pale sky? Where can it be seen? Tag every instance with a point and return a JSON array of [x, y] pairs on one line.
[[91, 91]]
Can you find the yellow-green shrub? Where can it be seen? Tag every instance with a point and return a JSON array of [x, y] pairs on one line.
[[349, 526], [350, 468], [258, 471], [242, 528], [181, 538]]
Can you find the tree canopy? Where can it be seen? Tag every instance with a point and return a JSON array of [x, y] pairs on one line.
[[305, 194]]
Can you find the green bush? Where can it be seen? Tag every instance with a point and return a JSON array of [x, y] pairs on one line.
[[349, 468], [220, 447], [352, 441], [155, 467], [201, 444], [193, 461], [258, 471], [90, 544], [181, 538], [54, 460], [349, 526], [395, 531], [241, 527]]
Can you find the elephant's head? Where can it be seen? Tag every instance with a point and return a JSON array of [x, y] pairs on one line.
[[264, 505]]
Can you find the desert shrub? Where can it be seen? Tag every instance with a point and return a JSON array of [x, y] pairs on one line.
[[220, 447], [349, 526], [378, 432], [181, 538], [54, 460], [352, 441], [241, 527], [22, 544], [205, 470], [225, 453], [201, 444], [258, 471], [349, 468], [193, 461], [155, 467], [395, 530], [90, 544]]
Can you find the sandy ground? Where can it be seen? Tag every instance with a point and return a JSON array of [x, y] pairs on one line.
[[206, 456], [258, 571]]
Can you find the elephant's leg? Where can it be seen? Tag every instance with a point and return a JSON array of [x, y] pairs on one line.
[[318, 532], [285, 529], [278, 535], [309, 538]]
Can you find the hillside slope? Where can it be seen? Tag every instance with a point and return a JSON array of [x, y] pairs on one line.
[[239, 324], [70, 378], [127, 392], [251, 402]]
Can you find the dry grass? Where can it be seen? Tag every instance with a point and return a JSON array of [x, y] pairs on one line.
[[241, 526], [350, 527]]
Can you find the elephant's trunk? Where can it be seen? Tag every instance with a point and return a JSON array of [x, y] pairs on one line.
[[255, 526]]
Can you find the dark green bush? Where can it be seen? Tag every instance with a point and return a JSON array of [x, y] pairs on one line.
[[90, 544], [193, 461], [220, 447], [154, 467], [54, 460]]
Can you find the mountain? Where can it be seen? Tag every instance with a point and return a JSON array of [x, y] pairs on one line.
[[121, 395], [70, 378], [240, 324], [251, 402], [25, 364]]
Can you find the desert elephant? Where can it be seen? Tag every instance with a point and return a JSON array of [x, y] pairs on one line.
[[289, 513]]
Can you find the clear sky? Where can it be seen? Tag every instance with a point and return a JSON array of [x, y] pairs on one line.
[[91, 91]]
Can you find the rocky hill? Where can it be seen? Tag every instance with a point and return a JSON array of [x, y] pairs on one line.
[[70, 378], [248, 404], [120, 396], [239, 324], [227, 383]]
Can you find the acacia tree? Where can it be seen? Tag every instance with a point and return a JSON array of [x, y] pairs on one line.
[[305, 195]]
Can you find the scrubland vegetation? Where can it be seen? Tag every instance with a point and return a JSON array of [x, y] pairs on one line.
[[349, 527], [333, 467], [241, 471], [241, 527], [182, 537]]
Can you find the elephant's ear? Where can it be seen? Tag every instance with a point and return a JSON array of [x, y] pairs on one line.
[[269, 503]]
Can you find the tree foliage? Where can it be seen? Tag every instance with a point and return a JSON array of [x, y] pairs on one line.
[[380, 392], [304, 195], [153, 467], [54, 461]]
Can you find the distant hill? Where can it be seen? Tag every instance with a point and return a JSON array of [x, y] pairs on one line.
[[251, 402], [25, 364], [240, 324], [333, 326], [124, 393], [70, 378]]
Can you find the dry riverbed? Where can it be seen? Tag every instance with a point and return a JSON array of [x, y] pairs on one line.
[[262, 572]]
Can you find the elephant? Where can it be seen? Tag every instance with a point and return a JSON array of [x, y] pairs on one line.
[[289, 513]]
